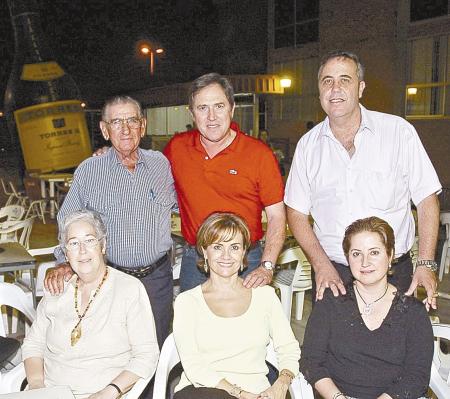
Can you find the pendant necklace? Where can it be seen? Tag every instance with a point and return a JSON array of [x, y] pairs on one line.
[[75, 335], [368, 307]]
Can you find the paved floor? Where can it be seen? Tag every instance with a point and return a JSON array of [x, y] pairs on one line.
[[46, 236]]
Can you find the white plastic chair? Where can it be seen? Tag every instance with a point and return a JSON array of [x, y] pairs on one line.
[[9, 194], [11, 213], [440, 376], [12, 296], [37, 203], [41, 267], [445, 257], [18, 195], [18, 231], [169, 358], [290, 281]]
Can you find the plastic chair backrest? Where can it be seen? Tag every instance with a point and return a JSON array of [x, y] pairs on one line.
[[9, 231], [12, 296], [303, 268], [440, 377], [169, 358], [12, 212]]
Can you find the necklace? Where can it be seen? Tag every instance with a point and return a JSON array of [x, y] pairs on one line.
[[75, 335], [368, 307]]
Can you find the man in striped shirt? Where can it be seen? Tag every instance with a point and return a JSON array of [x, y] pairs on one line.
[[133, 190]]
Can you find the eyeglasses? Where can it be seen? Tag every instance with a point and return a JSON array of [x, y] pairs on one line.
[[75, 245], [117, 124]]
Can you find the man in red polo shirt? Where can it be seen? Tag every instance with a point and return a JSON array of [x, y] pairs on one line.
[[217, 168]]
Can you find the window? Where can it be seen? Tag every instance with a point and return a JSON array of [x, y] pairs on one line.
[[428, 91], [299, 102], [296, 22], [424, 9]]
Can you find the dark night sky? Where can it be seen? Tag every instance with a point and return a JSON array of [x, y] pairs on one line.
[[96, 41]]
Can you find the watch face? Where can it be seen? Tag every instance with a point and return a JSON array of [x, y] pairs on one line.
[[267, 264]]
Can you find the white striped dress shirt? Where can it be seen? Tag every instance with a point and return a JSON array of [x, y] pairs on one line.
[[135, 206]]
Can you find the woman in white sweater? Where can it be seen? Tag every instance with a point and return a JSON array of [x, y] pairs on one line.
[[222, 329]]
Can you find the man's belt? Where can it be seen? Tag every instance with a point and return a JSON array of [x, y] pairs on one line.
[[141, 272], [402, 258]]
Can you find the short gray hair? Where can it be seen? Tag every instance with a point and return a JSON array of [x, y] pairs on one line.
[[121, 100], [84, 215], [207, 80], [343, 54]]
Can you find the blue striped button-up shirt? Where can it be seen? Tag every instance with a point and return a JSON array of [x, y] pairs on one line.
[[135, 206]]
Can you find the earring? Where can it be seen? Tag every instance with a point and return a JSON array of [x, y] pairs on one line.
[[390, 272], [205, 266], [242, 267]]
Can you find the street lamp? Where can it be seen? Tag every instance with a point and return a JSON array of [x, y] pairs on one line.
[[146, 50]]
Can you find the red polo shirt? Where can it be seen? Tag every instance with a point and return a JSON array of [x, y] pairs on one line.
[[244, 178]]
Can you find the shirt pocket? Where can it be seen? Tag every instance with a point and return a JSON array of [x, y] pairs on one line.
[[380, 189]]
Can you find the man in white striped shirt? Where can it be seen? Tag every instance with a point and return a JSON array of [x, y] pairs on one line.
[[133, 191]]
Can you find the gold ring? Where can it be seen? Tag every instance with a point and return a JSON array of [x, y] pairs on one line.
[[435, 294]]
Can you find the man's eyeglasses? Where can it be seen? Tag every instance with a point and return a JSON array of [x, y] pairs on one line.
[[118, 124], [75, 245]]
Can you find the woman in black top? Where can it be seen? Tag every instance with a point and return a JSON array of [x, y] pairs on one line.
[[373, 342]]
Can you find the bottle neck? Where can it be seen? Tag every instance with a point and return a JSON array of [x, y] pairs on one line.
[[29, 38]]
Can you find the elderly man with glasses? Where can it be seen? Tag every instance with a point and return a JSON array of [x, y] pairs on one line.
[[133, 191]]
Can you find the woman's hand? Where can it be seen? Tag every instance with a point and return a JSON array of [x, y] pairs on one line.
[[278, 390], [36, 385], [248, 395], [108, 392]]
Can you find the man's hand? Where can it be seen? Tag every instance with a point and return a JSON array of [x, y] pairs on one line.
[[100, 151], [328, 277], [258, 278], [426, 278], [54, 280]]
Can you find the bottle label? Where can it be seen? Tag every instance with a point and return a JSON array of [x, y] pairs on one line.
[[42, 71], [53, 136]]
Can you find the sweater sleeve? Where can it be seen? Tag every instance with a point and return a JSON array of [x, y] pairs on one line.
[[195, 363], [143, 341], [413, 383], [285, 344], [315, 344], [34, 343]]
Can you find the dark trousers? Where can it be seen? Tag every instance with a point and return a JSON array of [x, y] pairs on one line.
[[190, 392], [401, 275], [159, 287]]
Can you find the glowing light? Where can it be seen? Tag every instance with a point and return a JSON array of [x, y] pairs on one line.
[[83, 105], [285, 82], [412, 91]]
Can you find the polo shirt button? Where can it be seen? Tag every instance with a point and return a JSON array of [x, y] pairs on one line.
[[206, 157]]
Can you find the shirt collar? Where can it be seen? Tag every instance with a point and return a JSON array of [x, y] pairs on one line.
[[366, 123], [115, 160], [232, 147]]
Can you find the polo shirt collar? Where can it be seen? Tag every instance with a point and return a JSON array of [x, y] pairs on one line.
[[366, 124], [232, 147]]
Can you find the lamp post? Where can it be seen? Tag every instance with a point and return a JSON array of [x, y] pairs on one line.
[[147, 50]]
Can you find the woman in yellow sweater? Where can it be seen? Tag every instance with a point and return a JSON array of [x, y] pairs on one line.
[[222, 329]]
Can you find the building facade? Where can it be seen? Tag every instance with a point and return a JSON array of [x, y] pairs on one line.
[[404, 45]]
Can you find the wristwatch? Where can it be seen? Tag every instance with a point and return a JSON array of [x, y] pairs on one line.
[[267, 264], [430, 264]]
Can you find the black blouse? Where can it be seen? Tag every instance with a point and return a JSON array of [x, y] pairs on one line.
[[394, 359]]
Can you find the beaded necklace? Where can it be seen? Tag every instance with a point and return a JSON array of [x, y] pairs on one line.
[[75, 335]]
